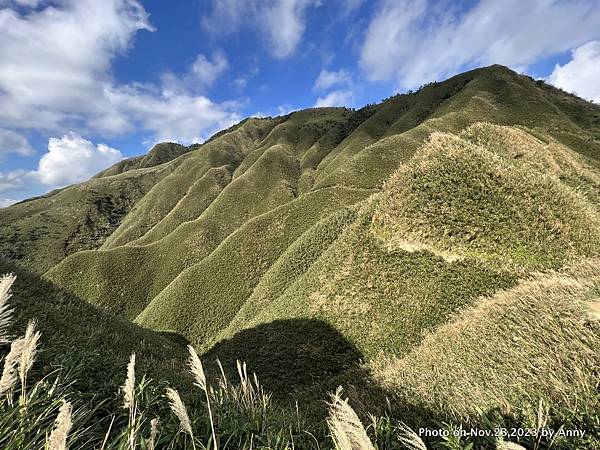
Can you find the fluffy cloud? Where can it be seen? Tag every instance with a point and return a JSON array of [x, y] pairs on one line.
[[4, 202], [328, 79], [72, 159], [55, 61], [282, 21], [56, 74], [415, 41], [200, 75], [582, 74], [11, 142], [336, 98], [207, 71], [178, 116], [12, 180], [29, 3]]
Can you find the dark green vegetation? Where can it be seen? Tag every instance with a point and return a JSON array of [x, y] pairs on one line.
[[360, 247], [90, 344]]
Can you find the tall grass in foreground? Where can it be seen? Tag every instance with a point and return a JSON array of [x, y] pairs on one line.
[[50, 415]]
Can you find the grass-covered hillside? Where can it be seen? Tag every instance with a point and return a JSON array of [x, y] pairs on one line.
[[85, 343], [436, 254]]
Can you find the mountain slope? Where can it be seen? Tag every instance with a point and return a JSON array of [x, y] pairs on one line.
[[175, 229], [89, 345], [373, 228], [159, 154], [40, 232]]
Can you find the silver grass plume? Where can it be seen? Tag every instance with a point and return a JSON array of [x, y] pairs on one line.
[[129, 399], [200, 380], [346, 428], [180, 411], [409, 438], [223, 380], [509, 446], [11, 362], [196, 369], [153, 433], [129, 386], [62, 427], [27, 358], [6, 311]]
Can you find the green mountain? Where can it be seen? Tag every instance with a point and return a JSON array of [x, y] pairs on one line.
[[92, 344], [436, 248]]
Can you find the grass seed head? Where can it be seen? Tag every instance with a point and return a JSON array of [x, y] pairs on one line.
[[62, 427]]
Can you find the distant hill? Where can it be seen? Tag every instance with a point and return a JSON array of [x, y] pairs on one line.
[[367, 243], [159, 154]]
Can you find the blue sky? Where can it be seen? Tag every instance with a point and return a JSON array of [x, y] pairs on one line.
[[85, 83]]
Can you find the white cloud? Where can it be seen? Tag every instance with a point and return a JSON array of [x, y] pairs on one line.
[[285, 22], [72, 159], [416, 41], [240, 83], [56, 75], [349, 6], [56, 60], [281, 110], [336, 98], [11, 142], [4, 202], [179, 117], [12, 180], [282, 21], [207, 71], [328, 79], [582, 74], [27, 3]]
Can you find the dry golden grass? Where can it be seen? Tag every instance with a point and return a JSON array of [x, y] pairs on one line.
[[346, 428], [62, 427], [535, 341], [548, 156], [458, 200]]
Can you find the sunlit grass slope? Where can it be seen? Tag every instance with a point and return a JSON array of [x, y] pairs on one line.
[[531, 350], [86, 344], [441, 317], [457, 200], [224, 280], [40, 232], [470, 209], [438, 249]]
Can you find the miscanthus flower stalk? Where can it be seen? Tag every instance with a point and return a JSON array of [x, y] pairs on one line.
[[180, 411], [6, 312], [200, 381], [62, 427]]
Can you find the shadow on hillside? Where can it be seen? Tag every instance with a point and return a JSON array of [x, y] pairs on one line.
[[288, 355], [300, 360], [89, 346]]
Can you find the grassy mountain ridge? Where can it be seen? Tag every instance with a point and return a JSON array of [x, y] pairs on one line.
[[371, 243], [273, 163], [92, 343], [159, 154], [40, 232]]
